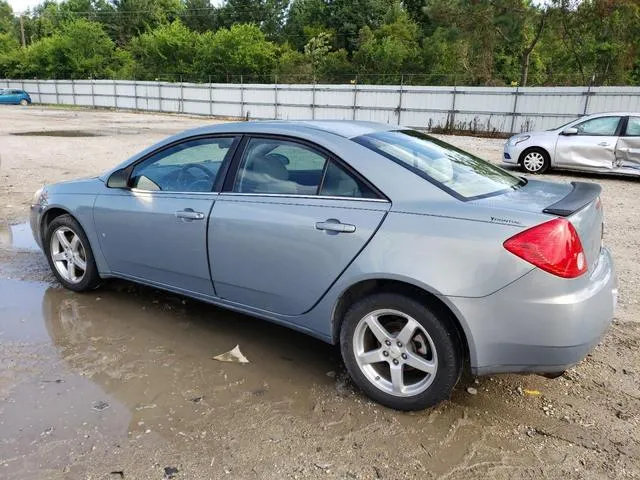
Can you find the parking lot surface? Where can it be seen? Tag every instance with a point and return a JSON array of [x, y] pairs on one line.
[[121, 382]]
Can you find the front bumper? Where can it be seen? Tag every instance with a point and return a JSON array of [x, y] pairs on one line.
[[540, 323], [510, 154], [35, 217]]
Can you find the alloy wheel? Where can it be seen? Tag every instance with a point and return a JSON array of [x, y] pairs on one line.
[[395, 353], [68, 255]]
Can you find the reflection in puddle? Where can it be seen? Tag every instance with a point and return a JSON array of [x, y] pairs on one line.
[[17, 236], [148, 356]]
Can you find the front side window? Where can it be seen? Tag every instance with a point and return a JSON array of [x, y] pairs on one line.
[[191, 166], [456, 171], [633, 127], [601, 126]]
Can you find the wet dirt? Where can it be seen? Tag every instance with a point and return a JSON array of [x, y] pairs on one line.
[[122, 379]]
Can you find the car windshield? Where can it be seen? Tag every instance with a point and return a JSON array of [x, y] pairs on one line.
[[561, 126], [455, 171]]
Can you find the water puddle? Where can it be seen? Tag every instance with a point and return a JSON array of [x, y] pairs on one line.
[[127, 360], [17, 236]]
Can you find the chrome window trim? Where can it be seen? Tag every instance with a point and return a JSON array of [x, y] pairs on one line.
[[293, 195], [169, 192]]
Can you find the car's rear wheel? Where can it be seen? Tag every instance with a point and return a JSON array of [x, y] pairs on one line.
[[69, 254], [24, 102], [535, 161], [401, 353]]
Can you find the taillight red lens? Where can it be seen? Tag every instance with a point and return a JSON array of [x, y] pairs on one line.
[[553, 246]]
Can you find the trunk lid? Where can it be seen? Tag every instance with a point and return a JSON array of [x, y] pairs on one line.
[[578, 202]]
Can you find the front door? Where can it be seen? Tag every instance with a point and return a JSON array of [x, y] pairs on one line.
[[156, 230], [293, 220], [593, 147]]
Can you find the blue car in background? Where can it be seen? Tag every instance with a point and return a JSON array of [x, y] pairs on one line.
[[14, 97]]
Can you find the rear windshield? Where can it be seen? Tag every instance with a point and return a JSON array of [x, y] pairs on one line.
[[461, 174]]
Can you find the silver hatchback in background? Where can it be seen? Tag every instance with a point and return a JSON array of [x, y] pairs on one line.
[[601, 143]]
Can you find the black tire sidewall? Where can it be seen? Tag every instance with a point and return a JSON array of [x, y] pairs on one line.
[[445, 341], [91, 277], [545, 166]]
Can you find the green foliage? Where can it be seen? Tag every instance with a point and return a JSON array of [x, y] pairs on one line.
[[472, 42], [230, 53], [80, 49], [166, 52]]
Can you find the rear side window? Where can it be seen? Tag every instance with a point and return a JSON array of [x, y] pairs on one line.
[[455, 171], [276, 166], [633, 127]]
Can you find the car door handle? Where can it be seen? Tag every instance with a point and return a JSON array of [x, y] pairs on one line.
[[189, 214], [333, 225], [604, 144]]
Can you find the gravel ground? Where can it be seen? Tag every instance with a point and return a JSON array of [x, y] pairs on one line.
[[121, 383]]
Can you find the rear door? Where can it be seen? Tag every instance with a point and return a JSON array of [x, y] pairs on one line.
[[291, 219], [628, 146], [592, 147]]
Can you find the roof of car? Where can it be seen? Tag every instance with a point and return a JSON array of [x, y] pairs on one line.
[[343, 128]]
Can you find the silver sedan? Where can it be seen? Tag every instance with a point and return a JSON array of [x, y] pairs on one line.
[[601, 143], [416, 258]]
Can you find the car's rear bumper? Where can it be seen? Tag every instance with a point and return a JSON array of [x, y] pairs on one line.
[[540, 323]]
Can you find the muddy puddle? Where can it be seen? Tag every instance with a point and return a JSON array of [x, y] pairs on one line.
[[129, 361], [76, 133]]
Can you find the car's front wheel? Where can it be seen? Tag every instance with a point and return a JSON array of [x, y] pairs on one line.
[[69, 254], [535, 161], [24, 102], [400, 352]]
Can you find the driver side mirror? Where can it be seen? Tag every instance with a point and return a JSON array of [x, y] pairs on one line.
[[119, 179], [570, 131]]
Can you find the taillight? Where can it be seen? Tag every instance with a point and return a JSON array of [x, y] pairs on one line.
[[553, 246]]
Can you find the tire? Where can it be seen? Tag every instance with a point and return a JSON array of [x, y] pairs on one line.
[[432, 342], [24, 102], [535, 161], [83, 273]]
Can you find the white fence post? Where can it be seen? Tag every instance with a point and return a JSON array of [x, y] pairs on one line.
[[515, 109], [210, 97], [241, 97], [275, 107], [355, 97], [400, 98], [39, 94], [55, 84], [313, 99]]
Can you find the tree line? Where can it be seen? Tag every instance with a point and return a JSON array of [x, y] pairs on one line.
[[434, 42]]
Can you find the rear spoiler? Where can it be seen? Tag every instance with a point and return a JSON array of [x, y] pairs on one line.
[[583, 194]]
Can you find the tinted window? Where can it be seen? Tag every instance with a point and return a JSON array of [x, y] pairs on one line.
[[633, 127], [190, 166], [454, 170], [338, 182], [602, 126], [279, 166]]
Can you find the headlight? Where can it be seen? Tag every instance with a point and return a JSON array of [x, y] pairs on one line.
[[519, 139], [39, 197]]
